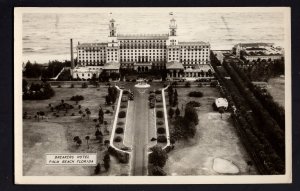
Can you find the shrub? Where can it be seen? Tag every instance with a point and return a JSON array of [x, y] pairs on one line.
[[158, 171], [107, 111], [187, 84], [161, 139], [161, 130], [120, 123], [213, 84], [77, 98], [73, 114], [159, 122], [121, 156], [118, 139], [72, 86], [159, 114], [119, 130], [106, 142], [157, 92], [193, 104], [59, 86], [196, 94], [159, 106], [84, 85], [124, 106], [125, 92], [125, 148], [122, 114]]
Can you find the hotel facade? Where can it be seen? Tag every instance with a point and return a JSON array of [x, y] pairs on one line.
[[142, 53]]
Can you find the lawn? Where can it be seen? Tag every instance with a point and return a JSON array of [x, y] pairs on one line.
[[215, 138], [55, 134], [276, 88]]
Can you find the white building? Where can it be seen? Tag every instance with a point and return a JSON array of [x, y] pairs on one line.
[[221, 102], [255, 51], [142, 53]]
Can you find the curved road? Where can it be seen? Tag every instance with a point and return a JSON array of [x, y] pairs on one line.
[[140, 130]]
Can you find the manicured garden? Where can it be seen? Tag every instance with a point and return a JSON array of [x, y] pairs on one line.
[[72, 121]]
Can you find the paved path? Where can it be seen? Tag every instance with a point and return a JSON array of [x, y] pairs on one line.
[[140, 130]]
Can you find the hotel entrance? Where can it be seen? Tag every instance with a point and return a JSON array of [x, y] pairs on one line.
[[142, 67]]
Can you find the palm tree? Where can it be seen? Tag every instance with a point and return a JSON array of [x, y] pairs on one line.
[[38, 115], [88, 113], [87, 138], [105, 125]]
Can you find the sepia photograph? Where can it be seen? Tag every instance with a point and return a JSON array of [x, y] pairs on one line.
[[152, 95]]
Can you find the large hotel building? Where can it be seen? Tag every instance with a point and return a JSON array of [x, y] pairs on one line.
[[142, 53]]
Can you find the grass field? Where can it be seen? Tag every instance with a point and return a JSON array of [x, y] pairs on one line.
[[276, 88], [55, 134], [215, 138]]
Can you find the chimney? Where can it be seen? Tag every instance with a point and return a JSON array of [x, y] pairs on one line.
[[72, 59]]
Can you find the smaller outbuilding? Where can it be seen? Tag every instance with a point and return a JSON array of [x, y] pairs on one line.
[[221, 102]]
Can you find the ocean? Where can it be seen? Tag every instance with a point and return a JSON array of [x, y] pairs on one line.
[[46, 36]]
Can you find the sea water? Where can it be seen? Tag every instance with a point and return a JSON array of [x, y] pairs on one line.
[[46, 36]]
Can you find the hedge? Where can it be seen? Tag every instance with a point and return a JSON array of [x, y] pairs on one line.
[[118, 139], [161, 139], [159, 114], [161, 130], [123, 106], [159, 122], [193, 104], [121, 156], [196, 94], [120, 123], [119, 130], [122, 114]]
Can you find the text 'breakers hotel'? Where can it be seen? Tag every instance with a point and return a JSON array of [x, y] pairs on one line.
[[142, 53]]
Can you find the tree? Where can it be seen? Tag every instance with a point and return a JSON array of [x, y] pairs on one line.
[[171, 112], [106, 158], [77, 140], [158, 171], [88, 112], [191, 129], [100, 115], [42, 114], [106, 166], [190, 114], [177, 112], [105, 126], [99, 135], [221, 111], [175, 100], [24, 85], [158, 157], [38, 115], [97, 169], [171, 100], [87, 138], [107, 100]]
